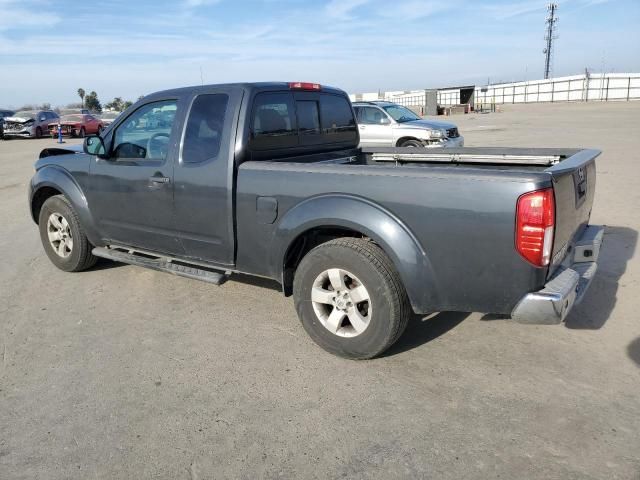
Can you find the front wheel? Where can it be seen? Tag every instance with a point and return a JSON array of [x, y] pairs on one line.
[[412, 143], [350, 299], [63, 237], [81, 133]]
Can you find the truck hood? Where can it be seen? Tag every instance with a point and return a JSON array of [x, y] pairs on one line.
[[427, 124], [18, 119], [57, 151]]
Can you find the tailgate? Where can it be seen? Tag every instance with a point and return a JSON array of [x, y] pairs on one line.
[[574, 182]]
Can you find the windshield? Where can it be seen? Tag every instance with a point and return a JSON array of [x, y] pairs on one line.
[[25, 114], [401, 114]]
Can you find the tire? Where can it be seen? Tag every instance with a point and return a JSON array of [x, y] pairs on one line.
[[379, 320], [81, 133], [75, 255], [100, 129], [38, 132], [412, 143]]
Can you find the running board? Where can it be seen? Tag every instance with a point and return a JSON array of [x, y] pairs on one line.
[[163, 264]]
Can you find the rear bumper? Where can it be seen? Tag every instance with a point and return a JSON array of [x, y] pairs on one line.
[[552, 304]]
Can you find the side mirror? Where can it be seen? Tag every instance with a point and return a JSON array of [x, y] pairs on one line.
[[43, 118], [384, 121], [94, 145]]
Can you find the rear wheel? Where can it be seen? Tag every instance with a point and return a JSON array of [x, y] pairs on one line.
[[62, 236], [350, 299], [38, 132]]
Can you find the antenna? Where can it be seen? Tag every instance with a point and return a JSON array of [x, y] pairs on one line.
[[550, 36], [201, 76]]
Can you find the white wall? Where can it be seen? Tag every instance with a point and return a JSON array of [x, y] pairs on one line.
[[576, 88]]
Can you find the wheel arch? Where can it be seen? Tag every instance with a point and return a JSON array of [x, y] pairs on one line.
[[403, 139], [52, 180], [308, 225]]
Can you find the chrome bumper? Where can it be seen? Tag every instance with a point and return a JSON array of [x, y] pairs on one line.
[[456, 142], [552, 304]]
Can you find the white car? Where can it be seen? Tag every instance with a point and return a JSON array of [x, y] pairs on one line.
[[386, 124], [29, 123]]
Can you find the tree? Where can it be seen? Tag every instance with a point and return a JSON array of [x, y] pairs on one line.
[[115, 104], [92, 103], [81, 94], [118, 104]]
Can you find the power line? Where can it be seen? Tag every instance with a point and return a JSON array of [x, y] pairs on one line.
[[550, 37]]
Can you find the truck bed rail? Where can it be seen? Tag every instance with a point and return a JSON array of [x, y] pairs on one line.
[[498, 156]]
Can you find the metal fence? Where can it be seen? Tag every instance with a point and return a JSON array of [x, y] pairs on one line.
[[579, 88]]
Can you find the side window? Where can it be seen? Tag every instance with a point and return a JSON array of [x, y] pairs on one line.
[[273, 122], [204, 128], [371, 116], [308, 117], [145, 133], [338, 123]]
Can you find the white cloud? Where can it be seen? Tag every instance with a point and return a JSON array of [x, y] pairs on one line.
[[17, 17], [342, 8], [503, 11], [417, 9], [199, 3]]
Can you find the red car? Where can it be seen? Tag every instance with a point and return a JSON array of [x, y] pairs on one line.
[[76, 125]]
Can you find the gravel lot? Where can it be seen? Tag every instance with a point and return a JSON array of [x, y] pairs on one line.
[[122, 372]]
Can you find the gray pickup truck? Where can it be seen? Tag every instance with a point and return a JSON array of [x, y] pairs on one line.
[[267, 179]]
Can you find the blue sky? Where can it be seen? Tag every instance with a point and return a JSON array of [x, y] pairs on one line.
[[128, 48]]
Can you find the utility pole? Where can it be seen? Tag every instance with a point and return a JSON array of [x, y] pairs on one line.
[[550, 37]]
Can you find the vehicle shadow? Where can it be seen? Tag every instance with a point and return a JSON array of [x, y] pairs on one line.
[[105, 264], [634, 351], [423, 329], [595, 309], [259, 282]]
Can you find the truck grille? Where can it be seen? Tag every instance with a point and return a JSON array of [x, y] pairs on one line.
[[453, 133]]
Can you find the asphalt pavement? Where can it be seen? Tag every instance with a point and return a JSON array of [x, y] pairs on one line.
[[121, 372]]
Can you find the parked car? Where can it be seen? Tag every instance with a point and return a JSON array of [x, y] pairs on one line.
[[107, 118], [266, 179], [386, 124], [76, 126], [29, 123], [3, 115]]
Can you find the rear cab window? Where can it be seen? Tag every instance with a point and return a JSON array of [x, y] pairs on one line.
[[205, 124], [286, 120]]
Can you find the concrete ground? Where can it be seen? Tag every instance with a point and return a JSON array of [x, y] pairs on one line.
[[122, 372]]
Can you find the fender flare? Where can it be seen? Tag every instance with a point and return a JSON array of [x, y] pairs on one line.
[[53, 176], [370, 219]]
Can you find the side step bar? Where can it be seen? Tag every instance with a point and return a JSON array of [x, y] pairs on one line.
[[163, 264]]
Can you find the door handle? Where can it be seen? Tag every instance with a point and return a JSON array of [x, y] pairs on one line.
[[157, 179], [361, 127]]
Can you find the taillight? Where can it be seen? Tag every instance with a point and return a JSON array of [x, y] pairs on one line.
[[304, 86], [535, 220]]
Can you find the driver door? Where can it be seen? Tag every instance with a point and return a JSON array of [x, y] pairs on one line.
[[131, 194]]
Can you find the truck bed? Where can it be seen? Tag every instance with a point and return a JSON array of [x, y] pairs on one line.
[[459, 205]]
